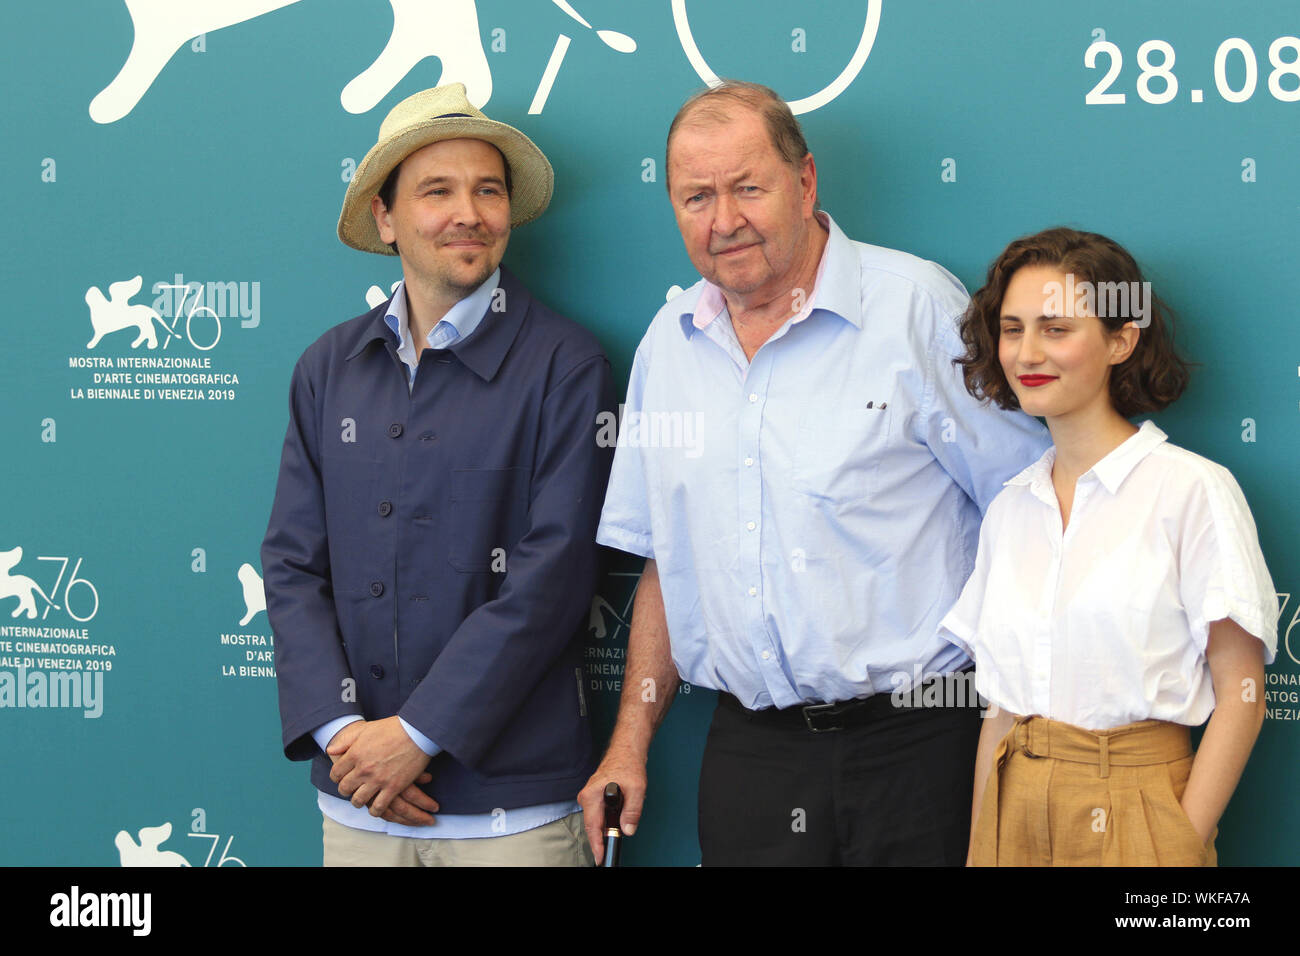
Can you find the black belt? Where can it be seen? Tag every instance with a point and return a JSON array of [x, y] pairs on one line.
[[824, 718]]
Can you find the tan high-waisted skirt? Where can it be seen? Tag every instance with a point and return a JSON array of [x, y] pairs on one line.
[[1059, 795]]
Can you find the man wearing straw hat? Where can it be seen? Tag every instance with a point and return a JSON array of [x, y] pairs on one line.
[[430, 556]]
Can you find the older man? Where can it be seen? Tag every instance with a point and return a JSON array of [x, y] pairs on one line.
[[430, 556], [802, 552]]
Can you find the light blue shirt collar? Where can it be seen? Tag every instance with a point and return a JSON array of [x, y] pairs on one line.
[[836, 289], [459, 323]]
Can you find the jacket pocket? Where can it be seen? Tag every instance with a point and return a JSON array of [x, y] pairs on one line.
[[549, 737], [488, 516]]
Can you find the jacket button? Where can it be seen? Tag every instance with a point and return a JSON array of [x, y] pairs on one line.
[[376, 671], [394, 430], [385, 509], [376, 588]]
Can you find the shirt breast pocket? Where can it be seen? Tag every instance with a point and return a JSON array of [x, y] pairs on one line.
[[838, 451], [488, 516]]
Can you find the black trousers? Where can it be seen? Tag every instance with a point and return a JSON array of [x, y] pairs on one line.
[[891, 790]]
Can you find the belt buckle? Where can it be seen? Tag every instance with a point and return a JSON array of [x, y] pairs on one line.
[[1024, 738], [812, 711]]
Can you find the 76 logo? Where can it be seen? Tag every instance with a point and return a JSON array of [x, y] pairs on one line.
[[1295, 619], [74, 589], [225, 859]]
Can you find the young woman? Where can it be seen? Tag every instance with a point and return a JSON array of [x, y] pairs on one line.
[[1119, 595]]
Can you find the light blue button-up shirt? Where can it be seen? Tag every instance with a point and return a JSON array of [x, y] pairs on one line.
[[460, 322], [813, 513]]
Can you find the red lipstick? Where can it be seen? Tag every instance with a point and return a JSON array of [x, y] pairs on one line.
[[1033, 381]]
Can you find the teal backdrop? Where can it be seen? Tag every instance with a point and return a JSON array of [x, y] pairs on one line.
[[212, 163]]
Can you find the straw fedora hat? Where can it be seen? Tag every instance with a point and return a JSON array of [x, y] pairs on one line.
[[431, 116]]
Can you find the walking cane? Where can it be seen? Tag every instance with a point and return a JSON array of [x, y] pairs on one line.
[[613, 835]]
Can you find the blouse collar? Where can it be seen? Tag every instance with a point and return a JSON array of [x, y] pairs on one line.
[[1110, 471]]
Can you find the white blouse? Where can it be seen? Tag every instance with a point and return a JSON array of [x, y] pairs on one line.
[[1107, 623]]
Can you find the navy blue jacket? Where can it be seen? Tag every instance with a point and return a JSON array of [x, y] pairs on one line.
[[431, 553]]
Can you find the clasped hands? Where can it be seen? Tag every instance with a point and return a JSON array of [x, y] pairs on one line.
[[377, 764]]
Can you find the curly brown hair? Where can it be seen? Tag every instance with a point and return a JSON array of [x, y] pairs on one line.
[[1151, 377]]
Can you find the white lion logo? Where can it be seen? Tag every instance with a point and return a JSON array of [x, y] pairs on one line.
[[254, 593], [116, 313], [146, 853], [17, 585]]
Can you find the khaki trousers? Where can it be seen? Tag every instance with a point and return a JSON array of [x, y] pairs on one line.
[[562, 842], [1059, 795]]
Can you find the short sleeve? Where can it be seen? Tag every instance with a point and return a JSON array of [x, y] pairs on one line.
[[625, 518], [1222, 573]]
